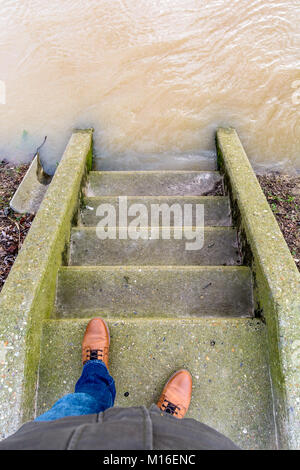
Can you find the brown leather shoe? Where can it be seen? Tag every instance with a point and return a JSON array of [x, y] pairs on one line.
[[95, 344], [177, 393]]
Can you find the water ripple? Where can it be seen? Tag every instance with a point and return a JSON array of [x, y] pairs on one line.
[[152, 77]]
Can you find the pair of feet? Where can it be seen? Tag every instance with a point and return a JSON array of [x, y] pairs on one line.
[[176, 395]]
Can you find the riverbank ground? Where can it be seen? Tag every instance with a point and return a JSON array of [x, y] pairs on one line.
[[13, 226], [283, 195]]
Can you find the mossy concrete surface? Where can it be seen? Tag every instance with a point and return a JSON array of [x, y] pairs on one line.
[[216, 208], [28, 294], [219, 248], [277, 282], [177, 291], [30, 193], [151, 183], [226, 357]]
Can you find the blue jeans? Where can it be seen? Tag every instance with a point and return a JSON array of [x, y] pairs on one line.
[[95, 391]]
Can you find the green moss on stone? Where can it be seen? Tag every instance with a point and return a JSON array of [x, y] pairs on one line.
[[277, 282], [28, 295]]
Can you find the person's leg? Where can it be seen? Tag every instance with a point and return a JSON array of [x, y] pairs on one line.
[[95, 390]]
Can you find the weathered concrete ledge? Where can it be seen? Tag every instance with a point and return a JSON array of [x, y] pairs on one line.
[[28, 295], [276, 282]]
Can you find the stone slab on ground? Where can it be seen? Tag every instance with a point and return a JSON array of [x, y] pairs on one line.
[[30, 193], [226, 357], [177, 291]]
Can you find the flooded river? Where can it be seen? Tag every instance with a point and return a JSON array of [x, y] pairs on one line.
[[153, 77]]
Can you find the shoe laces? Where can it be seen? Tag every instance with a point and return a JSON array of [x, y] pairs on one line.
[[170, 408], [94, 354]]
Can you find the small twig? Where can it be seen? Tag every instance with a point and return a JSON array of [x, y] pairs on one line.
[[207, 285], [39, 148]]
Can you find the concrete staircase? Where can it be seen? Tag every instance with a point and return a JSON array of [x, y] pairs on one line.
[[167, 308]]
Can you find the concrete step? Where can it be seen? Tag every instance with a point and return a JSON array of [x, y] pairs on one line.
[[220, 248], [216, 208], [226, 357], [166, 161], [152, 183], [150, 290]]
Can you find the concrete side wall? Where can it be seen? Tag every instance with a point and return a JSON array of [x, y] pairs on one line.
[[28, 294], [276, 281]]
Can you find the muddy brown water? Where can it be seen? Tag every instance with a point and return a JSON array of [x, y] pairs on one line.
[[153, 77]]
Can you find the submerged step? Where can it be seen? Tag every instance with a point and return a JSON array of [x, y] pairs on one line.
[[216, 208], [152, 183], [205, 161], [150, 290], [220, 247], [226, 357]]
